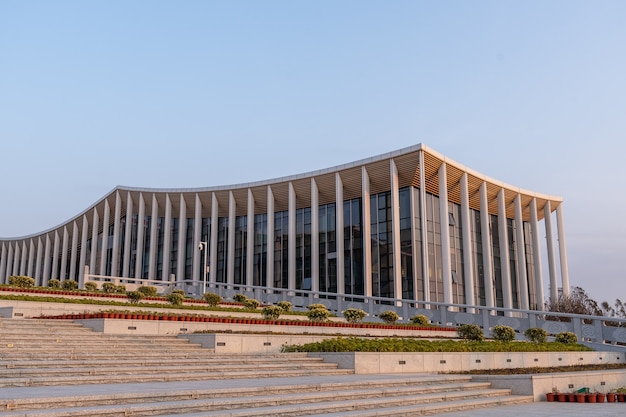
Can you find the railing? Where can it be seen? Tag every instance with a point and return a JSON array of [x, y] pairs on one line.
[[592, 330]]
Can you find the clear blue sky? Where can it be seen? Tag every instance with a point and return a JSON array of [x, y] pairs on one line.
[[95, 94]]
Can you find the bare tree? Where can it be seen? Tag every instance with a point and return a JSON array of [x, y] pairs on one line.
[[577, 302]]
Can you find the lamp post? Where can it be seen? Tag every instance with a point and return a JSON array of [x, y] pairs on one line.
[[203, 247]]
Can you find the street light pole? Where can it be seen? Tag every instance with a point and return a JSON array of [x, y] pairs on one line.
[[203, 247]]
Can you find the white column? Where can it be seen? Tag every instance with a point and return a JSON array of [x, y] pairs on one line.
[[167, 240], [65, 247], [232, 220], [534, 224], [291, 239], [485, 232], [182, 240], [197, 238], [395, 230], [94, 243], [105, 238], [83, 253], [366, 228], [128, 231], [3, 265], [10, 261], [315, 237], [214, 224], [505, 264], [522, 275], [24, 259], [554, 286], [141, 225], [424, 229], [38, 271], [250, 240], [16, 259], [339, 233], [115, 270], [560, 227], [74, 252], [46, 263], [468, 256], [55, 256], [445, 234], [31, 260], [154, 239], [270, 237]]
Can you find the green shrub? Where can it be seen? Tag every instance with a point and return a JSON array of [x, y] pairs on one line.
[[21, 281], [389, 316], [536, 335], [503, 333], [135, 296], [54, 283], [271, 312], [212, 299], [285, 306], [251, 304], [567, 338], [120, 289], [240, 298], [177, 291], [148, 291], [420, 320], [175, 299], [318, 313], [69, 284], [109, 287], [470, 332], [317, 306], [91, 286], [354, 315]]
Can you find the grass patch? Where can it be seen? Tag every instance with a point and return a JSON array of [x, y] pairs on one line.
[[355, 344]]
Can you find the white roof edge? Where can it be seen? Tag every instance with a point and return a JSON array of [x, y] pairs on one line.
[[312, 174]]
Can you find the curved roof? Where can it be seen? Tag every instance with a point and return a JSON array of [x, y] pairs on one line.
[[350, 174]]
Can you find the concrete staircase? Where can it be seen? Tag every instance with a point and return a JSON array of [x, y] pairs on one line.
[[56, 368]]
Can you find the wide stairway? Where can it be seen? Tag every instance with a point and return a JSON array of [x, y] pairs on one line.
[[58, 368]]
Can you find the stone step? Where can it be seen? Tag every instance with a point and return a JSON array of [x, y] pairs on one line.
[[373, 388], [358, 402], [285, 371]]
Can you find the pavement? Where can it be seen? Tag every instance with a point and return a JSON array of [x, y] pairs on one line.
[[545, 409]]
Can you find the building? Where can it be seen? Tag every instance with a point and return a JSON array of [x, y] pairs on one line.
[[411, 224]]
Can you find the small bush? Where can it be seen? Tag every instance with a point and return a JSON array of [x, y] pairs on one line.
[[69, 284], [471, 332], [91, 286], [271, 312], [181, 292], [109, 287], [317, 314], [536, 335], [251, 304], [354, 315], [567, 338], [503, 333], [21, 281], [317, 306], [285, 306], [148, 291], [134, 296], [389, 317], [212, 299], [120, 289], [240, 298], [54, 283], [175, 299], [420, 320]]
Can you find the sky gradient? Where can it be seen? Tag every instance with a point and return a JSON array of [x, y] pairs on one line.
[[203, 93]]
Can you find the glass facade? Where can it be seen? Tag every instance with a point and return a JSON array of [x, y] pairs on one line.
[[402, 260]]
